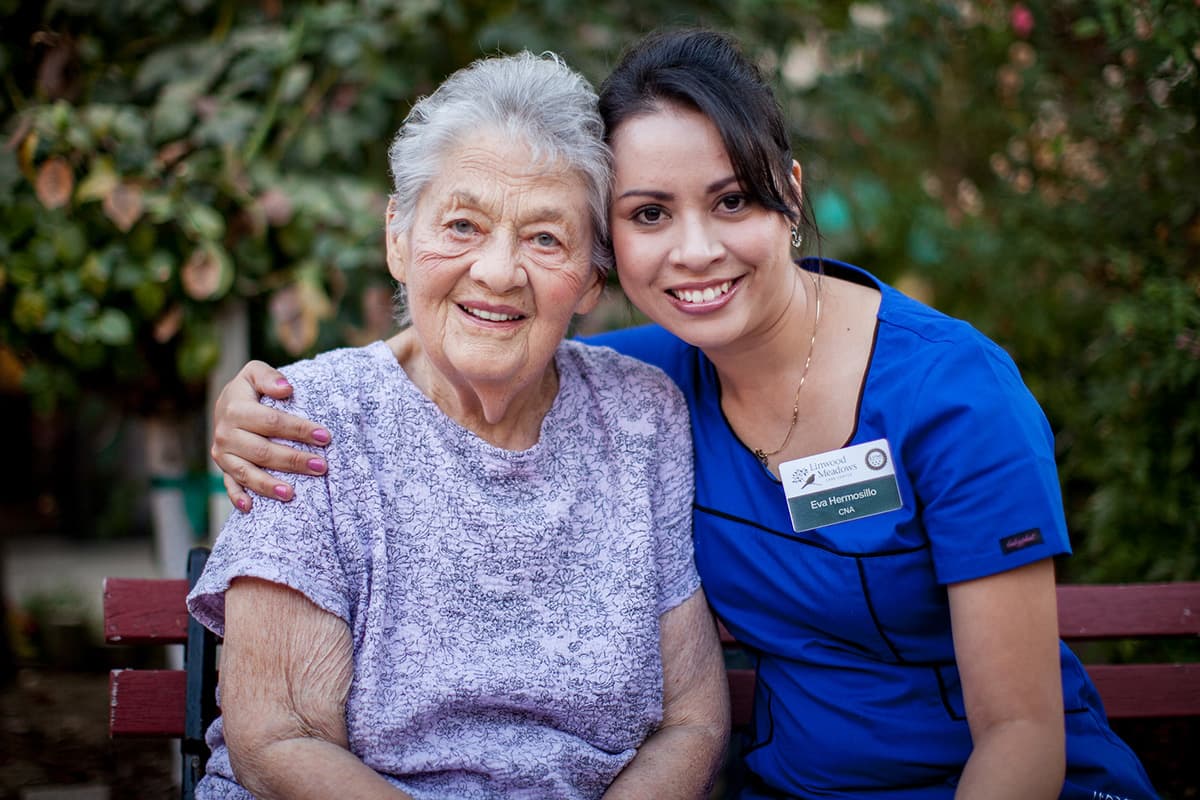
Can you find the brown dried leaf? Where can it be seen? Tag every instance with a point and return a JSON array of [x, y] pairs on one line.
[[56, 76], [11, 370], [277, 206], [54, 184], [296, 312], [24, 142], [377, 312], [124, 205], [294, 329], [172, 152], [168, 324], [206, 273]]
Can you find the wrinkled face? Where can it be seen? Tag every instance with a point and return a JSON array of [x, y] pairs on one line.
[[497, 261], [693, 252]]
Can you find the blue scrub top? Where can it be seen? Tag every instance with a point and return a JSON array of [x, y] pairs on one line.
[[858, 692]]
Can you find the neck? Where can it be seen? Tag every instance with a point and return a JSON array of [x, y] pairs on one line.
[[505, 413]]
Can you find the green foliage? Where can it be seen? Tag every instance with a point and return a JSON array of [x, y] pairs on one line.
[[1033, 169], [1030, 168], [166, 158]]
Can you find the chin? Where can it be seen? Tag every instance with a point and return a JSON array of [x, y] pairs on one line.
[[705, 335]]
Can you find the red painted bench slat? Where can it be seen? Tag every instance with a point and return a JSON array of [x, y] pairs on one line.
[[1148, 690], [1128, 611], [145, 611], [146, 702]]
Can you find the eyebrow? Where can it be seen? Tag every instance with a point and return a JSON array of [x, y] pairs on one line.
[[654, 194], [546, 214], [465, 198], [553, 214]]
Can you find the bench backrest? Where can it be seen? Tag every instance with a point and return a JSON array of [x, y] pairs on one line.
[[1137, 611], [164, 702], [1095, 612], [154, 702]]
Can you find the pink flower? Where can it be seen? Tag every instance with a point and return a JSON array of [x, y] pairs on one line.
[[1021, 19]]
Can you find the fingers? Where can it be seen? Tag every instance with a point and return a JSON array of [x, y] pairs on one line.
[[241, 501], [265, 379], [245, 457], [276, 424], [241, 475], [237, 408]]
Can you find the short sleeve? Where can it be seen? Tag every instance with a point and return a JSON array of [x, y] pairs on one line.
[[981, 456], [672, 499], [292, 544]]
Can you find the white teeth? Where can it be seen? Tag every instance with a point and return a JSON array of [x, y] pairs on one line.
[[702, 296], [490, 316]]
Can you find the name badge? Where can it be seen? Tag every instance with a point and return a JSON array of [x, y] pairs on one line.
[[841, 485]]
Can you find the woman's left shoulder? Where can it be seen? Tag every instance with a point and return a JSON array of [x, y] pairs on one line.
[[623, 386], [602, 363]]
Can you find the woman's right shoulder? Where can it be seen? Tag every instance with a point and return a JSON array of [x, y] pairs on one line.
[[341, 373]]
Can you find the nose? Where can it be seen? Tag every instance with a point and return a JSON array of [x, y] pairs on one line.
[[498, 265], [697, 247]]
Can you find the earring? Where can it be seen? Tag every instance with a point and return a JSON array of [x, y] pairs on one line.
[[797, 236]]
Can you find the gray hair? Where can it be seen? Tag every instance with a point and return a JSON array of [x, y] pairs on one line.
[[537, 99]]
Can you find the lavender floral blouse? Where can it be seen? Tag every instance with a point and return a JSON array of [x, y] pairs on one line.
[[504, 605]]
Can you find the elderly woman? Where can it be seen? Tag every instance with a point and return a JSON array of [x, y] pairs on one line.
[[492, 593]]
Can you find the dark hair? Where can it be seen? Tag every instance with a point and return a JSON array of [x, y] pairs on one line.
[[706, 71]]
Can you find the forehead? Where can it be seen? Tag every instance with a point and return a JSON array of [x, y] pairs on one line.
[[671, 141], [505, 177]]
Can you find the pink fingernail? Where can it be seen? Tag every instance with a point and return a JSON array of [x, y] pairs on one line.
[[282, 382], [321, 435], [316, 465], [283, 492], [240, 503]]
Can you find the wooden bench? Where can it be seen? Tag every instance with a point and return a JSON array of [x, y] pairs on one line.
[[163, 703], [1089, 613], [181, 703]]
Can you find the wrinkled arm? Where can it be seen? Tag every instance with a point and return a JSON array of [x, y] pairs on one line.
[[681, 758], [1006, 644], [286, 667], [242, 428]]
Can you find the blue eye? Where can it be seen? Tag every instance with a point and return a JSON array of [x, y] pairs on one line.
[[545, 240], [462, 226]]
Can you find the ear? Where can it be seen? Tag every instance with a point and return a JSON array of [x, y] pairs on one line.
[[795, 175], [591, 296], [396, 243]]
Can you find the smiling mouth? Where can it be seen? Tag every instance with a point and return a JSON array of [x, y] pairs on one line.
[[491, 316], [706, 295]]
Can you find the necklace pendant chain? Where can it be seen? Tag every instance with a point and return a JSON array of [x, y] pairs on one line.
[[759, 453]]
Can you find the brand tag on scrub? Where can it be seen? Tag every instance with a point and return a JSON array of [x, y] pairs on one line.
[[841, 485]]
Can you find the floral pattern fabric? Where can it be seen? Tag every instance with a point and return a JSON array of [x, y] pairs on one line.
[[504, 605]]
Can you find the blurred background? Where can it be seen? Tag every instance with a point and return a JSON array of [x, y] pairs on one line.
[[185, 184]]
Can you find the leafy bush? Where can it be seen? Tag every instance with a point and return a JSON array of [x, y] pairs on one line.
[[1032, 169], [1029, 167], [166, 158]]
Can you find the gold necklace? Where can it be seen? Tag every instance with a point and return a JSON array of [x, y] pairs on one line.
[[761, 454]]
